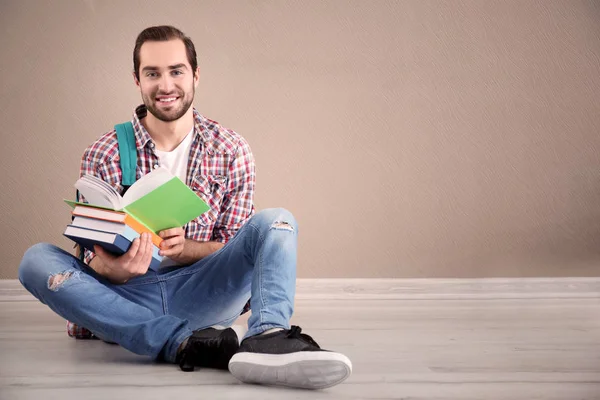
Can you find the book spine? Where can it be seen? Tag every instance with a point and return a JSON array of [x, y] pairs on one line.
[[130, 234], [140, 228]]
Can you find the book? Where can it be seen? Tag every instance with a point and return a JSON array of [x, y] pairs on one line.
[[107, 220], [111, 227], [158, 200], [115, 243]]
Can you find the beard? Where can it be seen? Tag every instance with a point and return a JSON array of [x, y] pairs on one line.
[[185, 100]]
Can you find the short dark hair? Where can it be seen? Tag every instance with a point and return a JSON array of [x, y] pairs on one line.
[[163, 33]]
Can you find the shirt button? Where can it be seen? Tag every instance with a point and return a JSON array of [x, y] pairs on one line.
[[155, 166], [152, 144]]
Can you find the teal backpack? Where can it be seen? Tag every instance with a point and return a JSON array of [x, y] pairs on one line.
[[128, 161]]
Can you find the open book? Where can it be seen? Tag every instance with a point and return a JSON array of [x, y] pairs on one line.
[[159, 200]]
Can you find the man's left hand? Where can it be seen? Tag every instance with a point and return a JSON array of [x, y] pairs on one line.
[[173, 242]]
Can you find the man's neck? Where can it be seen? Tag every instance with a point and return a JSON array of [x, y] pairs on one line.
[[168, 135]]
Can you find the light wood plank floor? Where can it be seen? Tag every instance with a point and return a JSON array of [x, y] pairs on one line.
[[412, 339]]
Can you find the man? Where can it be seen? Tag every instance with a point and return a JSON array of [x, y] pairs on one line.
[[215, 263]]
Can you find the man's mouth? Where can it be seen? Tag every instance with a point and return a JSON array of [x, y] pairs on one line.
[[166, 99]]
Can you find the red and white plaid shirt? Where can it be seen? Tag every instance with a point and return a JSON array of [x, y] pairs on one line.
[[220, 170]]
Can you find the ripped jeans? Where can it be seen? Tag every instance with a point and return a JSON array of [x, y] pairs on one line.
[[154, 313]]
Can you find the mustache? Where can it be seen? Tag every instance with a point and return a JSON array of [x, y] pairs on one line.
[[175, 92]]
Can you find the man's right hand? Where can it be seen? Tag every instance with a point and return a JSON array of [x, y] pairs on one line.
[[119, 269]]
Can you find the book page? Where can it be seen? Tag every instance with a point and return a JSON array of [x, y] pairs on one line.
[[98, 193], [147, 184]]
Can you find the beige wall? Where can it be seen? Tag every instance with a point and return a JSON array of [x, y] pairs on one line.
[[410, 138]]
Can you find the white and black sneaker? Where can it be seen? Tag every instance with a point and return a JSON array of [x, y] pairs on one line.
[[288, 358]]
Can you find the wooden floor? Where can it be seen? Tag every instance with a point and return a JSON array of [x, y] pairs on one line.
[[408, 339]]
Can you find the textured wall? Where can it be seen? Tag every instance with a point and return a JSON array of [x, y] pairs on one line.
[[410, 138]]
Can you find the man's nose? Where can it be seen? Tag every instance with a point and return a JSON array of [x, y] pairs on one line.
[[166, 84]]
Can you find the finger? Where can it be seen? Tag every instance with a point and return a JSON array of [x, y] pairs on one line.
[[103, 254], [133, 250], [149, 245], [145, 247], [148, 255], [172, 251], [172, 246], [174, 241], [141, 246], [100, 252], [171, 232]]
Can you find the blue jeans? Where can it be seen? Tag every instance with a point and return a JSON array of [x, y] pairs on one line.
[[154, 313]]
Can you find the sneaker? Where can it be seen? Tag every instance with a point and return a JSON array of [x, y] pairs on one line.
[[209, 348], [288, 358]]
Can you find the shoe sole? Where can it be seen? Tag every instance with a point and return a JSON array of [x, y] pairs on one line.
[[306, 369]]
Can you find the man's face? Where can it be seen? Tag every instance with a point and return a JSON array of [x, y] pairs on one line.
[[167, 82]]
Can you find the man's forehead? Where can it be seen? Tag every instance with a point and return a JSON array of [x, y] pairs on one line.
[[163, 54]]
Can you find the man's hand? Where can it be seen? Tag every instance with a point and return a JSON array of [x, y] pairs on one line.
[[184, 251], [173, 243], [135, 262]]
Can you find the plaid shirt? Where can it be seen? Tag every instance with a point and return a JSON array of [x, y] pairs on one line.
[[220, 170]]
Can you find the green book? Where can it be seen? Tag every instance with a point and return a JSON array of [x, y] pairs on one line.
[[159, 200]]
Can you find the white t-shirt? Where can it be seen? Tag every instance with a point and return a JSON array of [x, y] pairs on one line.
[[176, 161]]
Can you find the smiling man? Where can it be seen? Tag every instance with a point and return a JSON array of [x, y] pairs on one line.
[[214, 266]]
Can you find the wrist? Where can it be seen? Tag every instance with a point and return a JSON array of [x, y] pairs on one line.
[[194, 251]]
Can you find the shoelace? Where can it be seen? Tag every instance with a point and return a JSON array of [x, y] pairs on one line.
[[296, 332]]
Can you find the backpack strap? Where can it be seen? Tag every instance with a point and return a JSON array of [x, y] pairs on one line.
[[128, 156], [127, 153]]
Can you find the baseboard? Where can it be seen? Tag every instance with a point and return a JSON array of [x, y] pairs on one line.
[[476, 288], [411, 289]]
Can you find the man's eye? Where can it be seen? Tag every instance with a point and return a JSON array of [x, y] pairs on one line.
[[177, 72], [151, 74]]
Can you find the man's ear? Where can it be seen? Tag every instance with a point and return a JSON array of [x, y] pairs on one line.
[[135, 80], [196, 77]]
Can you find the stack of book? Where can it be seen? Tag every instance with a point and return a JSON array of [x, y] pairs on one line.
[[157, 201]]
